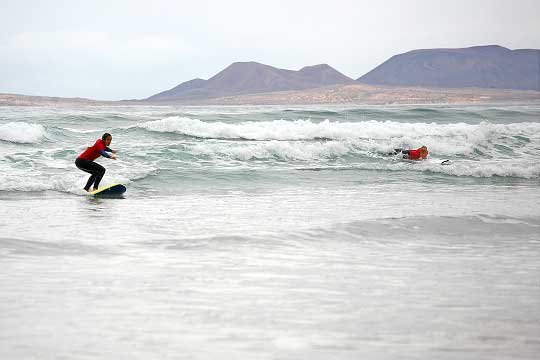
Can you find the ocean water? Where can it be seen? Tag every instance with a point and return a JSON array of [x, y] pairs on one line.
[[272, 232]]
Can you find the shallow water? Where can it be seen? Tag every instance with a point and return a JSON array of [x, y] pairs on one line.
[[272, 232]]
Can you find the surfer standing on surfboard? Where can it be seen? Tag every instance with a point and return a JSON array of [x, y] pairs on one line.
[[412, 154], [86, 163]]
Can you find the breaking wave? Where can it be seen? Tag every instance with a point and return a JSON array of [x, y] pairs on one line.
[[22, 133]]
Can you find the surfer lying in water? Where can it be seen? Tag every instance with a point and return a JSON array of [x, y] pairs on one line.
[[412, 154], [86, 163]]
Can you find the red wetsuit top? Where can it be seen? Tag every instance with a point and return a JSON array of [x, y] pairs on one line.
[[416, 154], [93, 152]]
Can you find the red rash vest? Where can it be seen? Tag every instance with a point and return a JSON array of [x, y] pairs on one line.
[[92, 152], [416, 154]]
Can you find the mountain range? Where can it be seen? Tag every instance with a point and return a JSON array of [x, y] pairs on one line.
[[252, 78], [491, 67]]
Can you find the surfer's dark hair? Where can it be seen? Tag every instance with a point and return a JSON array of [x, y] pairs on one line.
[[106, 135]]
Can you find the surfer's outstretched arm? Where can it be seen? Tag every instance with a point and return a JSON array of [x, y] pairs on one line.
[[107, 155]]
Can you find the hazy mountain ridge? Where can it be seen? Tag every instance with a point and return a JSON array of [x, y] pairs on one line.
[[252, 77], [490, 66]]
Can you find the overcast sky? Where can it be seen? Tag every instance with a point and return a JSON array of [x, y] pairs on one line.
[[115, 50]]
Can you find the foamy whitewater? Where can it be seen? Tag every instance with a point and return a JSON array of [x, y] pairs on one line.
[[272, 232]]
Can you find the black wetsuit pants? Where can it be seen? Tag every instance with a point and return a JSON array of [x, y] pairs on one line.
[[97, 171], [399, 151]]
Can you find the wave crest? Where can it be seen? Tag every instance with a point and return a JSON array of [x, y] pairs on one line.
[[310, 130], [276, 150], [22, 133]]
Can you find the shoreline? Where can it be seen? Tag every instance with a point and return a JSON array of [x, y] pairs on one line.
[[360, 94]]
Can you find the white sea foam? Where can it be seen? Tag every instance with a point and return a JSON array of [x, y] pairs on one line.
[[82, 131], [519, 169], [21, 132], [279, 150], [508, 168], [445, 139]]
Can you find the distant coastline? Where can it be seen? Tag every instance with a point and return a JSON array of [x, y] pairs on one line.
[[360, 94], [480, 74]]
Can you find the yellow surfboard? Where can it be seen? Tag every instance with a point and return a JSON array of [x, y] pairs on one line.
[[109, 191]]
